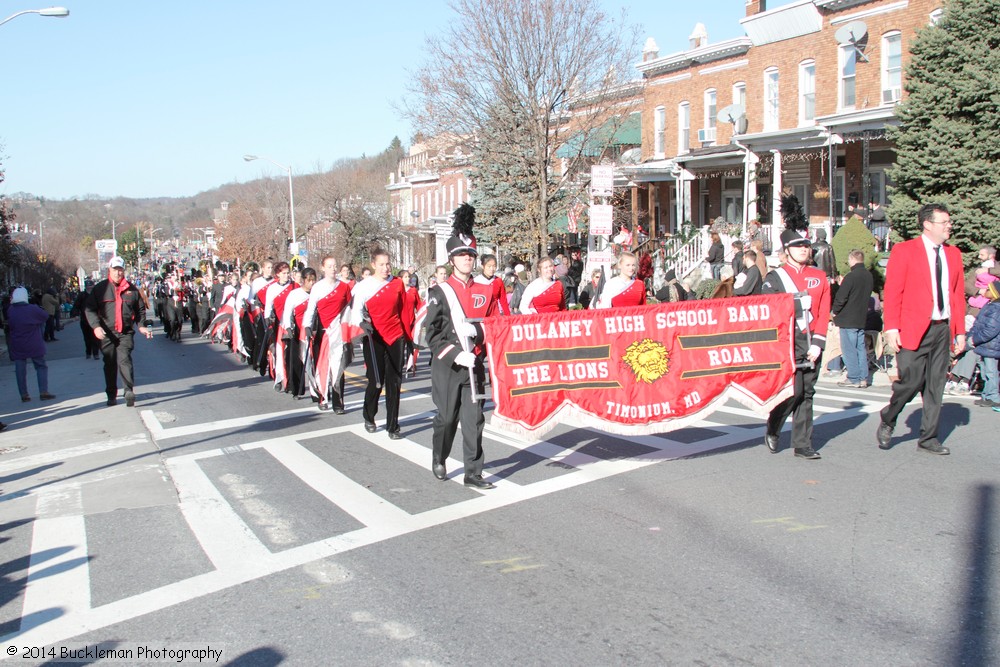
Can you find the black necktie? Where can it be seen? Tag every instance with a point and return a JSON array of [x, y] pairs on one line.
[[939, 276]]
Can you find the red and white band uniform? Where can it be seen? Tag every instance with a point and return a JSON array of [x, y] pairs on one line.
[[411, 306], [274, 307], [329, 310], [543, 296], [291, 321], [621, 291], [499, 293], [377, 309], [449, 307]]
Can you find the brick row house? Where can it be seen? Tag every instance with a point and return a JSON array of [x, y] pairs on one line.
[[801, 102]]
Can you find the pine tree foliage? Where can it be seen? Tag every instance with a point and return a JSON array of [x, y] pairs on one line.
[[948, 141]]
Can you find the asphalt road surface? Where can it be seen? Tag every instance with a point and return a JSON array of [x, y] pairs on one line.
[[220, 514]]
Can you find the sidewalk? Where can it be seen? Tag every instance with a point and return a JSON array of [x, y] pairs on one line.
[[57, 445]]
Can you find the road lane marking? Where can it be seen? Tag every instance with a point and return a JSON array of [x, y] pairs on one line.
[[223, 535], [60, 455], [58, 584], [367, 507], [162, 433]]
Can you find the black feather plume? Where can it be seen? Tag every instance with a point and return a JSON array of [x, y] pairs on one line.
[[464, 219], [792, 214]]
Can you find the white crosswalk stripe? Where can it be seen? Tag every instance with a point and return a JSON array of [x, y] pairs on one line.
[[236, 552]]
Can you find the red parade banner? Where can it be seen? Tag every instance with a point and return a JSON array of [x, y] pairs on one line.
[[642, 369]]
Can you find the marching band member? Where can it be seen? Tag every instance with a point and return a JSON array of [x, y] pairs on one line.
[[458, 352], [544, 294], [327, 314], [376, 310], [812, 316], [624, 289], [489, 276], [274, 309], [294, 337], [258, 290]]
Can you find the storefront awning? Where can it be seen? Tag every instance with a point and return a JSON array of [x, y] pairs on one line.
[[614, 132]]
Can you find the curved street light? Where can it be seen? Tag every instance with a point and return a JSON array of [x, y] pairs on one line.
[[57, 12], [291, 194]]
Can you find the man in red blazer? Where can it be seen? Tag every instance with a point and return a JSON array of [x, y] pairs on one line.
[[924, 315]]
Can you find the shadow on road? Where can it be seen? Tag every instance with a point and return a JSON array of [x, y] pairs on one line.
[[976, 630]]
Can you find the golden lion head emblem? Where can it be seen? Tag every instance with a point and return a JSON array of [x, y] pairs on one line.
[[647, 359]]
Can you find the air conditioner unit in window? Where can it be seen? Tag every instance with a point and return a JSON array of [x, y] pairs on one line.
[[706, 135], [891, 95]]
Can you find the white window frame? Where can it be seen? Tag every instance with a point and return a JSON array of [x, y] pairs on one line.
[[935, 16], [807, 92], [844, 53], [772, 99], [740, 93], [892, 93], [683, 127], [660, 132], [711, 100]]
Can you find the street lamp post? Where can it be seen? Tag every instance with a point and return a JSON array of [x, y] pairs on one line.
[[291, 193], [58, 12]]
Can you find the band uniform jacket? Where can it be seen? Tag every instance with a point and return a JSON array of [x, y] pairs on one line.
[[815, 318], [475, 300]]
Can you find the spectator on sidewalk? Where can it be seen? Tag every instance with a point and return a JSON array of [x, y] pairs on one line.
[[50, 303], [984, 338], [24, 342], [850, 313], [748, 281]]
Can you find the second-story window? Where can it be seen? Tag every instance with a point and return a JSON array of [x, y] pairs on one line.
[[660, 132], [772, 107], [740, 94], [711, 115], [807, 92], [892, 68], [683, 127], [848, 68]]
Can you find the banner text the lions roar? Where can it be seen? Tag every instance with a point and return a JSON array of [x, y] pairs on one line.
[[644, 369]]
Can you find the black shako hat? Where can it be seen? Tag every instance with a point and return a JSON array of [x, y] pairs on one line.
[[462, 241], [790, 238]]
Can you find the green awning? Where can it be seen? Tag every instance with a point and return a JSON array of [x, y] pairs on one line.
[[559, 224], [614, 132]]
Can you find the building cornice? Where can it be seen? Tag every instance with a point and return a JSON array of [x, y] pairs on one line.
[[702, 54]]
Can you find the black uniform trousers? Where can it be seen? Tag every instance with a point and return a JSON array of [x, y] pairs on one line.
[[800, 406], [117, 351], [389, 360], [922, 370], [451, 391]]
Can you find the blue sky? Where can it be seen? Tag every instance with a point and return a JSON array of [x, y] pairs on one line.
[[148, 98]]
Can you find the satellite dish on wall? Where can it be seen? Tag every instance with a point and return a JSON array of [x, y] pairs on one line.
[[854, 34], [735, 115]]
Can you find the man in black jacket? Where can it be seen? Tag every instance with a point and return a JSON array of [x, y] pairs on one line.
[[850, 311], [115, 310], [823, 256]]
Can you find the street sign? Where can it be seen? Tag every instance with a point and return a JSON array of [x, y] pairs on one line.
[[106, 245], [601, 219], [602, 180]]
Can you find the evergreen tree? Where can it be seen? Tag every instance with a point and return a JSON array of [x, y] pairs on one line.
[[948, 141]]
